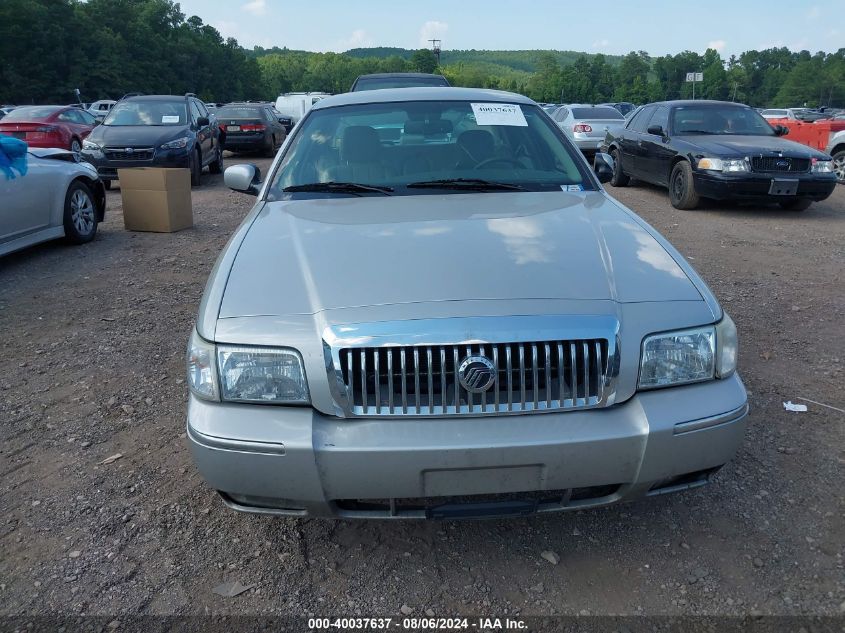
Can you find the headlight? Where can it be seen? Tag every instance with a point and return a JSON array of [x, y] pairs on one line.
[[202, 377], [724, 165], [91, 145], [178, 143], [822, 166], [677, 358], [262, 374]]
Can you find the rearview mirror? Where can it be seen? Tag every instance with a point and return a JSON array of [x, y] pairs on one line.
[[781, 130], [603, 166], [244, 178], [202, 121], [657, 130]]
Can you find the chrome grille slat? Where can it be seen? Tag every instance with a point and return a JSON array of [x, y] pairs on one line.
[[533, 376]]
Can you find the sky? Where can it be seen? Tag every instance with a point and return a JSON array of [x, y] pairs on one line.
[[609, 26]]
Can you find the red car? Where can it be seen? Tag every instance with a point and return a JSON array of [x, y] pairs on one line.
[[64, 127]]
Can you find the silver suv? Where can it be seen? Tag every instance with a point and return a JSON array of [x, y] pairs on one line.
[[435, 310]]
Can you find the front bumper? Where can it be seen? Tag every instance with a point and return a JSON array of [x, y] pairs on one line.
[[756, 186], [107, 169], [296, 461]]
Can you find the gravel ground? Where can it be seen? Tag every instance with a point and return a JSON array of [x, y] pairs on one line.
[[92, 340]]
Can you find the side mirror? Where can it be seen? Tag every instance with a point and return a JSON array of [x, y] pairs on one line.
[[657, 130], [603, 166], [202, 121], [781, 130], [243, 178]]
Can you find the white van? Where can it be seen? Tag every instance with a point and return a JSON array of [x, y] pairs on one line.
[[99, 109], [296, 104]]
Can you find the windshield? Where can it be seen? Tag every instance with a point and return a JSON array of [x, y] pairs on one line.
[[239, 113], [606, 112], [31, 113], [405, 147], [736, 120], [147, 113], [378, 83]]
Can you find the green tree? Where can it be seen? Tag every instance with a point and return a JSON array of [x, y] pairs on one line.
[[424, 61]]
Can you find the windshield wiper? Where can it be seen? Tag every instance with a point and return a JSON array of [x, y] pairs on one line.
[[685, 132], [465, 183], [339, 187]]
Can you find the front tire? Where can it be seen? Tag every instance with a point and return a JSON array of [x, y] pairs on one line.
[[839, 166], [796, 204], [80, 217], [270, 152], [107, 185], [682, 193], [75, 145], [619, 178], [196, 169]]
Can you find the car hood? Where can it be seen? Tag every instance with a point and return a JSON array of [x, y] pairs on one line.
[[306, 256], [729, 145], [135, 135]]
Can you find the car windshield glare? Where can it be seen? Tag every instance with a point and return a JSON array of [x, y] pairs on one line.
[[438, 143], [31, 113], [147, 113], [735, 120]]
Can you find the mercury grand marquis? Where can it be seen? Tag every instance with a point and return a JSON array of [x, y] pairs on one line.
[[434, 310]]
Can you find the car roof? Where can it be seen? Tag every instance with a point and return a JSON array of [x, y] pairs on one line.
[[425, 93], [382, 75], [155, 98], [698, 102]]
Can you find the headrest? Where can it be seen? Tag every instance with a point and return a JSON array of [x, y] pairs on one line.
[[360, 144]]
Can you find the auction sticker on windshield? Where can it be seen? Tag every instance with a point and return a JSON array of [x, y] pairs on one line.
[[170, 118], [498, 114]]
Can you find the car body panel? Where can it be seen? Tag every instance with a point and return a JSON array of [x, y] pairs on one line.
[[69, 123], [33, 205]]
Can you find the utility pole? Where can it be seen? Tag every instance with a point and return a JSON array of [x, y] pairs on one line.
[[435, 48]]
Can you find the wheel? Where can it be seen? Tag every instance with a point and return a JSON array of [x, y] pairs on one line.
[[216, 166], [839, 166], [795, 204], [80, 218], [75, 146], [196, 169], [619, 178], [682, 193], [107, 184]]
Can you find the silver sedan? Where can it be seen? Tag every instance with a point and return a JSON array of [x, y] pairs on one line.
[[588, 125], [48, 194]]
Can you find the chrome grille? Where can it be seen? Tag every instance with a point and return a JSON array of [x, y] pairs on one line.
[[423, 380], [136, 153], [778, 163]]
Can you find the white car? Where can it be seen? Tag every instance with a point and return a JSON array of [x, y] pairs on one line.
[[99, 109], [47, 194], [780, 113]]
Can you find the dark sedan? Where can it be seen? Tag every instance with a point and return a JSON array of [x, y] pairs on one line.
[[251, 127], [718, 150]]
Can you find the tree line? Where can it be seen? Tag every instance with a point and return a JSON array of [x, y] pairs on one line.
[[107, 48]]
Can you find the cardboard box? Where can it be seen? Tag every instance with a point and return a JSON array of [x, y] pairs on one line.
[[156, 199]]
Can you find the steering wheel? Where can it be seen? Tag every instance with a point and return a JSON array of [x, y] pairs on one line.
[[492, 161]]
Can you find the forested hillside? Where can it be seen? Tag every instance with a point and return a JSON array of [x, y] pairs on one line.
[[107, 48]]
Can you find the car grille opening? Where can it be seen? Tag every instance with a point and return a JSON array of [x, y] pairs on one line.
[[537, 501], [424, 380], [778, 163], [129, 153]]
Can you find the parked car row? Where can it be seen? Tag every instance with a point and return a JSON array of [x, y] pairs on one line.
[[717, 150]]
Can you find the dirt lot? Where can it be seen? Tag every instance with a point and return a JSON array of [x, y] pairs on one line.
[[91, 364]]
